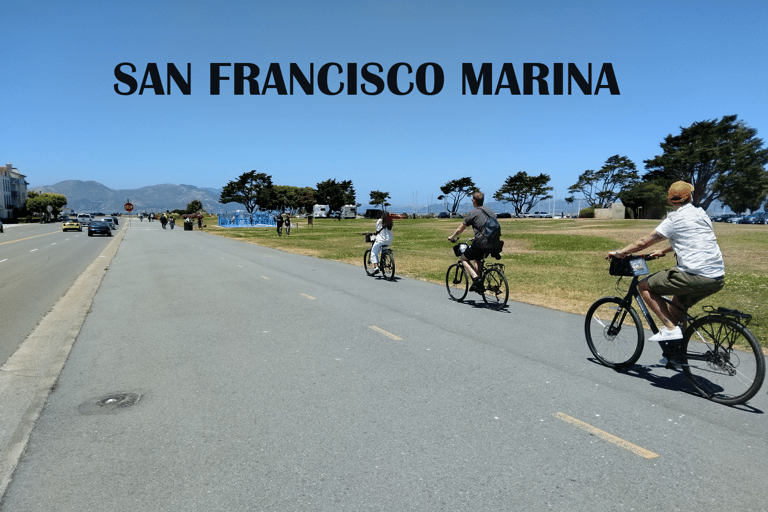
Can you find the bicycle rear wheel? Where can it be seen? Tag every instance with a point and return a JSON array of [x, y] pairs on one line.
[[367, 265], [387, 264], [496, 289], [722, 359], [614, 333], [457, 282]]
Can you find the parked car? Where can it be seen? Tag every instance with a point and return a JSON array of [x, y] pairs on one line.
[[457, 215], [754, 218], [98, 227], [723, 217], [443, 215], [504, 215], [735, 219], [109, 222], [70, 224]]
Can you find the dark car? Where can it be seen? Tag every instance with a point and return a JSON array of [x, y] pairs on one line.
[[98, 227], [504, 215], [723, 217], [443, 215], [755, 218]]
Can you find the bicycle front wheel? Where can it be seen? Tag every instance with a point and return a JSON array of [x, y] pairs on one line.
[[457, 282], [367, 265], [496, 289], [614, 333], [387, 265], [722, 360]]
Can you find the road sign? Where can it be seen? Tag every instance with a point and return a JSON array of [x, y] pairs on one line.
[[128, 207]]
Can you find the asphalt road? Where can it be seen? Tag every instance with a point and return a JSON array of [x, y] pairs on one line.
[[254, 379], [38, 264]]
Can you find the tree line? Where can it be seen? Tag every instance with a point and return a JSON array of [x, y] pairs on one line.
[[723, 159]]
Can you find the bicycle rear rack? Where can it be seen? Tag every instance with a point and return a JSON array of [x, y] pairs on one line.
[[733, 313]]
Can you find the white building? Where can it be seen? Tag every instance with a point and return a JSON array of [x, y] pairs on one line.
[[13, 193]]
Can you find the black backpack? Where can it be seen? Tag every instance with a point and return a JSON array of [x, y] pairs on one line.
[[491, 230]]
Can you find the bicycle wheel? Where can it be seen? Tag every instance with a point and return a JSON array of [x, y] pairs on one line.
[[614, 334], [496, 289], [457, 282], [722, 360], [387, 264], [367, 265]]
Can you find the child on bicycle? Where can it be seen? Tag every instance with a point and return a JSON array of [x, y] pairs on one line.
[[383, 237], [700, 267]]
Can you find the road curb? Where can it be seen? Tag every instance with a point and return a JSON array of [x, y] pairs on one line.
[[31, 372]]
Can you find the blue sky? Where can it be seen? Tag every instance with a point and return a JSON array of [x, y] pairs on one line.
[[676, 62]]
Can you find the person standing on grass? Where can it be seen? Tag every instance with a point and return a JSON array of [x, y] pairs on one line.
[[279, 220], [700, 267]]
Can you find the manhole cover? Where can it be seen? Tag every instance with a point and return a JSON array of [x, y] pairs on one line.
[[109, 404]]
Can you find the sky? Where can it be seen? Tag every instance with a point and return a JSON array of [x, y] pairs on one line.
[[675, 63]]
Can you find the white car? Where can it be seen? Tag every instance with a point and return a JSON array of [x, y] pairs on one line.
[[109, 222]]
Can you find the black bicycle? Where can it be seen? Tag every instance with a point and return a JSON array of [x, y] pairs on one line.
[[494, 287], [718, 354], [386, 259]]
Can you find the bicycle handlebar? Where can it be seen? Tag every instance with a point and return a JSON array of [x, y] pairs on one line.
[[646, 257]]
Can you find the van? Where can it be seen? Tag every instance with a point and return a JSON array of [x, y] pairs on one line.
[[349, 211], [320, 210], [84, 219]]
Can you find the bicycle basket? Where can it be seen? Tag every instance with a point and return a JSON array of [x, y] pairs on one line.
[[369, 237], [459, 249], [628, 267]]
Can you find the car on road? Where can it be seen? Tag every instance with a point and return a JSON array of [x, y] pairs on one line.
[[70, 224], [98, 227], [84, 218], [109, 222], [114, 219]]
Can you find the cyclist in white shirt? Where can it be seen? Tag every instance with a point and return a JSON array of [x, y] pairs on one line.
[[700, 267]]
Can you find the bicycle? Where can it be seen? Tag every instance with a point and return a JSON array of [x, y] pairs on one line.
[[494, 287], [718, 354], [386, 259]]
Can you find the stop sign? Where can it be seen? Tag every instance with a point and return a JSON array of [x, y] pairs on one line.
[[128, 207]]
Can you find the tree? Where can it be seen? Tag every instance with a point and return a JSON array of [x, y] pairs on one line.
[[39, 203], [335, 194], [723, 160], [194, 206], [456, 191], [647, 199], [379, 198], [524, 191], [600, 188], [250, 189]]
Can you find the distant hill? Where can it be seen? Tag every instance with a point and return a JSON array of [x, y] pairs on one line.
[[91, 196]]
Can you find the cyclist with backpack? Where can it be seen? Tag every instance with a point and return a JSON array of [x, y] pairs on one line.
[[487, 233]]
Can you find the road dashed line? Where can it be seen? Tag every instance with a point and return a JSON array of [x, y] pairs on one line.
[[646, 454]]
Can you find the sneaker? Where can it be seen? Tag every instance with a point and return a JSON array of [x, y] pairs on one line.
[[375, 271], [670, 363], [665, 334]]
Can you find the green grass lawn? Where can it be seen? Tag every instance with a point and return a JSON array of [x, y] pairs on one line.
[[555, 263]]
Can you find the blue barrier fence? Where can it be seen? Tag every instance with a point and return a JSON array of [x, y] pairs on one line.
[[248, 220]]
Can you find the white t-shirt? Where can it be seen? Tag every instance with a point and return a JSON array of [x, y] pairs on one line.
[[690, 233], [385, 235]]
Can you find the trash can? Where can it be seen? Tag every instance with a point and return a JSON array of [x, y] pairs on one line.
[[187, 226]]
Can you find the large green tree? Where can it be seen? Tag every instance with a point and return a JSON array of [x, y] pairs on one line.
[[722, 158], [524, 191], [647, 199], [600, 188], [194, 206], [335, 194], [39, 203], [456, 191], [251, 189], [379, 198]]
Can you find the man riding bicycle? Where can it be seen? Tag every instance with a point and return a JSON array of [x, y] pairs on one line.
[[480, 247], [700, 267]]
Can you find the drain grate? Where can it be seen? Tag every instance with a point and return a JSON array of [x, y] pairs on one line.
[[109, 404]]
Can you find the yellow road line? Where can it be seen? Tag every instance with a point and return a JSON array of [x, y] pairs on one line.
[[307, 296], [265, 277], [28, 238], [385, 333], [608, 437]]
